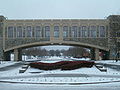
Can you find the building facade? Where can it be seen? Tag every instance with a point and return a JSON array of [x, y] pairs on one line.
[[97, 34]]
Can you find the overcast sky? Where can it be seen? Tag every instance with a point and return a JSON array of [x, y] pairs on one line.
[[58, 9], [56, 47], [42, 9]]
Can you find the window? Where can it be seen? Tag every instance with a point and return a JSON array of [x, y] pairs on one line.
[[38, 31], [29, 31], [19, 31], [102, 31], [118, 34], [24, 32], [56, 31], [10, 31], [93, 31], [74, 31], [65, 31], [115, 25], [79, 32], [84, 31], [47, 31]]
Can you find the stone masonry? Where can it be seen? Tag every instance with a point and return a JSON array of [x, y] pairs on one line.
[[11, 42]]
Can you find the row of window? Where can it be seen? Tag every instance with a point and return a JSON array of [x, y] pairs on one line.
[[115, 34], [39, 31]]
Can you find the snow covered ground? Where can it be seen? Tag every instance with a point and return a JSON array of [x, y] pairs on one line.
[[105, 86], [6, 63], [113, 62], [57, 78]]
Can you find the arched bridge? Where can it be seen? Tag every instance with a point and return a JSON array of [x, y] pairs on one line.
[[19, 34]]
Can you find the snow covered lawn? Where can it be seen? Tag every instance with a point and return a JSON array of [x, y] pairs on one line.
[[77, 76]]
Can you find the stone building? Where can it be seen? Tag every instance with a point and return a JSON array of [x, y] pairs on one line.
[[100, 35]]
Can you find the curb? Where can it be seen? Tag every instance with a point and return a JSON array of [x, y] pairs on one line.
[[59, 83]]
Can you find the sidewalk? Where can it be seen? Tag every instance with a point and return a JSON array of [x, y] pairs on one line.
[[110, 63], [8, 65]]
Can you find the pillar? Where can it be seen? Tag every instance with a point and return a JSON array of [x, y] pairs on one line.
[[105, 55], [1, 54], [17, 55], [92, 51], [7, 56], [96, 54], [1, 51]]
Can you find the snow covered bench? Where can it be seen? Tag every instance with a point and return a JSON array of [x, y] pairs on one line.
[[25, 66], [103, 69], [23, 69], [99, 66]]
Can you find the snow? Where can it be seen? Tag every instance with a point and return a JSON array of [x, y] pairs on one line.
[[6, 63], [57, 77], [112, 62], [80, 58], [111, 86]]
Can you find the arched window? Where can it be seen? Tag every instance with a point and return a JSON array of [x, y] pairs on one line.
[[38, 31], [79, 32], [29, 31], [74, 31], [65, 31], [47, 31], [84, 31], [56, 31], [93, 31], [19, 31], [102, 31], [10, 31]]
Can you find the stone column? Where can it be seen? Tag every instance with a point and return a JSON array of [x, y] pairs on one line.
[[92, 51], [16, 55], [7, 56], [96, 54], [1, 54], [1, 49], [19, 55]]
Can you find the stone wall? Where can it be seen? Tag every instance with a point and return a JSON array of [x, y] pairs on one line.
[[112, 24], [9, 43], [114, 30], [101, 42], [1, 49], [1, 37]]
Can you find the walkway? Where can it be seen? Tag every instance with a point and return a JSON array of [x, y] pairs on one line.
[[11, 66]]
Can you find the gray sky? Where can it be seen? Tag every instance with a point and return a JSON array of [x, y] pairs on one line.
[[52, 9], [49, 9], [55, 47]]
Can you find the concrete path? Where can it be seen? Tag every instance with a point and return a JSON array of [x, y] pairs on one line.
[[10, 67]]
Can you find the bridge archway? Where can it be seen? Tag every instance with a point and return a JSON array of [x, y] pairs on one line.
[[18, 55]]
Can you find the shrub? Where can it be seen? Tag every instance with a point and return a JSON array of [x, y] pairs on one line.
[[63, 65]]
